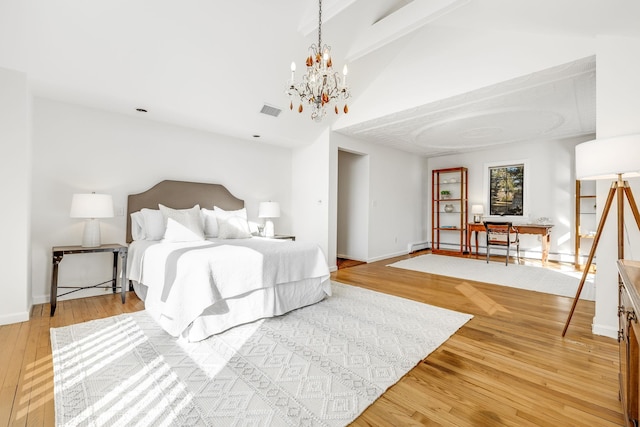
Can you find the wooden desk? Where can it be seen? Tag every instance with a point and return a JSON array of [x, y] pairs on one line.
[[543, 230]]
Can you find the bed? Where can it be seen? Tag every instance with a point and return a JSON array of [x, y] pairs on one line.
[[201, 275]]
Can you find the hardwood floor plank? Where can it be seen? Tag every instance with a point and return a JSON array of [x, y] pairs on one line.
[[7, 395]]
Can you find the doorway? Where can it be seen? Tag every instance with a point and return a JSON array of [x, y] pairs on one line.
[[353, 207]]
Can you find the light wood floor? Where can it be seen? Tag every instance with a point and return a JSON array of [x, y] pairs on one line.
[[509, 365]]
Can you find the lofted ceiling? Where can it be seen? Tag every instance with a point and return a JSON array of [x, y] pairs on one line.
[[552, 104], [524, 70]]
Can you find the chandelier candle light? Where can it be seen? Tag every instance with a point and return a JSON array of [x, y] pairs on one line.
[[320, 87]]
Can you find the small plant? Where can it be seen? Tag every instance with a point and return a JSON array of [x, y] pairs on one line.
[[445, 194]]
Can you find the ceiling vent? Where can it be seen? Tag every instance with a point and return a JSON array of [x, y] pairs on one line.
[[270, 110]]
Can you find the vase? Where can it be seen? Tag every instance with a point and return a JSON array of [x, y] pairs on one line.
[[448, 208]]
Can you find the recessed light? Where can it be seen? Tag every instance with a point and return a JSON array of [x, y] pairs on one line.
[[256, 136], [141, 110]]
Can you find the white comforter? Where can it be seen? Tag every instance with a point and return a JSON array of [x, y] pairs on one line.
[[183, 279]]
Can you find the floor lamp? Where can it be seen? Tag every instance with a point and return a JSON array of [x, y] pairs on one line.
[[612, 158]]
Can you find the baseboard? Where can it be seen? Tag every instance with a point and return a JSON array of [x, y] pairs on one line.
[[8, 319], [41, 299], [417, 246], [343, 256], [381, 257], [604, 330]]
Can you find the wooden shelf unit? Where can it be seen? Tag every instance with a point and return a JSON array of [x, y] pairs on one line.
[[448, 229], [585, 212]]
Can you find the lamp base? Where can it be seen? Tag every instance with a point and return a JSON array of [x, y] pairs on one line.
[[477, 218], [91, 234], [268, 228]]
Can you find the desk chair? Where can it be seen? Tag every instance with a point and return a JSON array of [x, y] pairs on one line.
[[502, 234]]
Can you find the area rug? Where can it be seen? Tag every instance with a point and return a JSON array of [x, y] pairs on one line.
[[528, 277], [321, 365]]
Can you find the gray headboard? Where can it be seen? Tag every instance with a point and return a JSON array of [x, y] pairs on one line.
[[181, 195]]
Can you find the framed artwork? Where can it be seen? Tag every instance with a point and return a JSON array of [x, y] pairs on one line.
[[506, 189]]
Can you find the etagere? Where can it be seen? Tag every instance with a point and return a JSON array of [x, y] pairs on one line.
[[449, 210], [585, 219]]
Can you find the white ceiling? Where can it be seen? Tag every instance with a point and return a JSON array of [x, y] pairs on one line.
[[212, 65]]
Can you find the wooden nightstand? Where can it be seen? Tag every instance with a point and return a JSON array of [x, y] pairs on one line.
[[58, 252]]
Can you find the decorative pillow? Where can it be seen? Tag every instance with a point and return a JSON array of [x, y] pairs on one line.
[[137, 226], [182, 225], [153, 224], [210, 221], [234, 227], [221, 213]]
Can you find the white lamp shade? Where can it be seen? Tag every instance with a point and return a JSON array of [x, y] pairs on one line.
[[477, 209], [269, 210], [608, 157], [91, 206]]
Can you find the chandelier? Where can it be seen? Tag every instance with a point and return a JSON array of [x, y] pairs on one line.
[[321, 87]]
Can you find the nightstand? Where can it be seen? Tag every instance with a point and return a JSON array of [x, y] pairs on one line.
[[283, 237], [58, 252]]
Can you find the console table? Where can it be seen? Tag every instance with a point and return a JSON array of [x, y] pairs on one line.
[[58, 252], [543, 230]]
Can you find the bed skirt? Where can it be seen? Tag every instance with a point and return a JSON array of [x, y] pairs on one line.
[[257, 304]]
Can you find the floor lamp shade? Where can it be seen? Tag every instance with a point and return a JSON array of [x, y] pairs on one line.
[[269, 210], [607, 158], [91, 206]]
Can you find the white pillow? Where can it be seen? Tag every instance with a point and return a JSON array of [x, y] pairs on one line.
[[234, 227], [221, 213], [153, 224], [210, 221], [137, 226], [182, 225]]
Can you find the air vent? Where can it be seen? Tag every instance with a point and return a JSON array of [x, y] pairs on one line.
[[270, 110]]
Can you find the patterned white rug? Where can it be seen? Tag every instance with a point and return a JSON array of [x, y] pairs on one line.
[[563, 283], [321, 365]]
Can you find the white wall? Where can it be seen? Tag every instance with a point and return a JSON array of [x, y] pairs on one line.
[[77, 149], [15, 181], [14, 34], [549, 187], [617, 112], [310, 195], [395, 218], [353, 206]]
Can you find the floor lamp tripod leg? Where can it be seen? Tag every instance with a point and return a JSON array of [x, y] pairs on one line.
[[592, 252], [632, 203]]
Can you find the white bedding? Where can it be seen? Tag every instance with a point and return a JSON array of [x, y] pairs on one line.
[[226, 282]]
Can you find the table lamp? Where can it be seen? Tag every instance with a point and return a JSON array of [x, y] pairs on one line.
[[608, 158], [477, 211], [269, 210], [91, 206]]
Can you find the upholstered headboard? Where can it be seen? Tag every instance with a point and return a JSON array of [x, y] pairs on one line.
[[181, 195]]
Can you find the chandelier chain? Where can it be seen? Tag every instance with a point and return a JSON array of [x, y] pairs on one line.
[[319, 24]]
